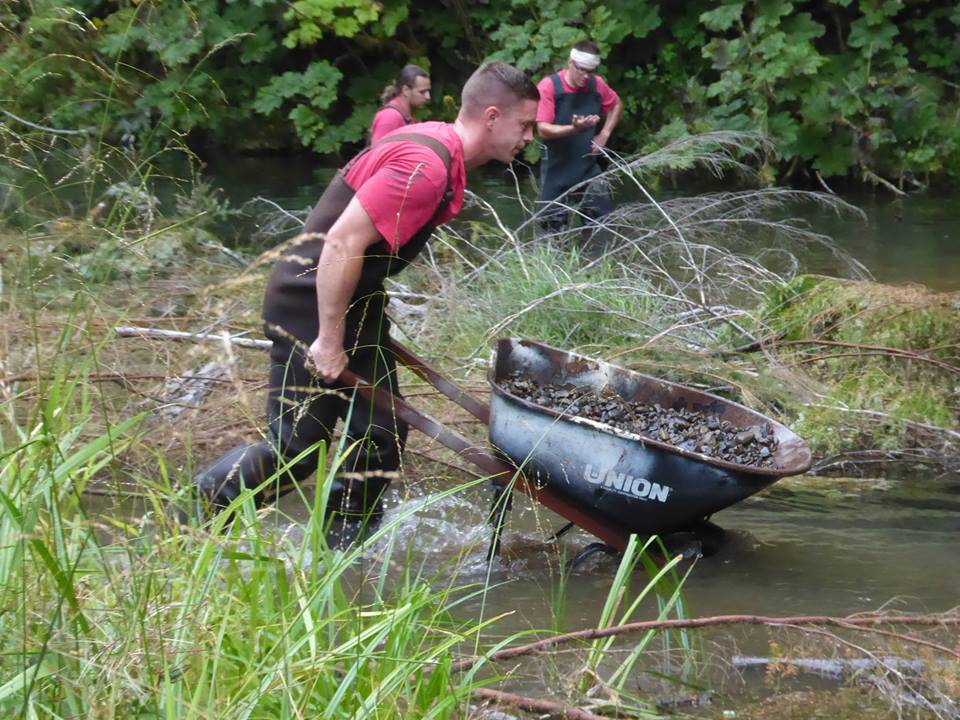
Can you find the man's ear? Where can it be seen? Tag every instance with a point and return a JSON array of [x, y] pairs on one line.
[[490, 115]]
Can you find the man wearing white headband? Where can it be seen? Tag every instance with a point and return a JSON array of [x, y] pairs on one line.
[[572, 102]]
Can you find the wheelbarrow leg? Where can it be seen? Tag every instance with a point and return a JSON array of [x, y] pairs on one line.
[[561, 532], [702, 540], [711, 537], [497, 519]]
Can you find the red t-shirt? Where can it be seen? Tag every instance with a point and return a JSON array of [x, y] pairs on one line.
[[387, 119], [401, 184], [546, 109]]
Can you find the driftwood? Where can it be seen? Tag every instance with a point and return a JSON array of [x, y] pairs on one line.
[[864, 623], [834, 668], [177, 335], [831, 667], [190, 389]]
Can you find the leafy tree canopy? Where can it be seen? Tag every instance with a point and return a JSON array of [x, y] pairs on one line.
[[848, 87]]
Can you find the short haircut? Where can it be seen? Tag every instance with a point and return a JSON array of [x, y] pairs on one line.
[[587, 46], [496, 83]]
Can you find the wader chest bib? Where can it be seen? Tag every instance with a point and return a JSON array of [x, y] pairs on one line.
[[569, 160]]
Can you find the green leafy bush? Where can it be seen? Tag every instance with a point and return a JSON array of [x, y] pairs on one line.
[[846, 88]]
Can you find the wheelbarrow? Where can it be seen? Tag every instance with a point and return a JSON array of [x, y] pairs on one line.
[[604, 480], [609, 482]]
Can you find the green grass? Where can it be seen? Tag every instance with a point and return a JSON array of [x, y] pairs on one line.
[[161, 620], [871, 397], [142, 617], [557, 297]]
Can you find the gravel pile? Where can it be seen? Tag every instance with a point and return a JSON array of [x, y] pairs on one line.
[[685, 429]]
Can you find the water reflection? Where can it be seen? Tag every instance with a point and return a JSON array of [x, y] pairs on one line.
[[916, 239]]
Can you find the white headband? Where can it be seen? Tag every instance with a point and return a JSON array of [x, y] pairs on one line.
[[585, 60]]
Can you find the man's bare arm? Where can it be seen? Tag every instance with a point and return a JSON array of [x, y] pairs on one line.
[[609, 123], [338, 273]]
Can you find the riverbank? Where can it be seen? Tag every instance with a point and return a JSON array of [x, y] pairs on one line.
[[113, 604]]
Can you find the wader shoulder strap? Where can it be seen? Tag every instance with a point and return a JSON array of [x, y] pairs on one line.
[[406, 118], [558, 88], [438, 148]]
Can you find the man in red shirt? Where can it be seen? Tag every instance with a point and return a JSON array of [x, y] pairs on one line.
[[572, 101], [325, 301], [410, 90]]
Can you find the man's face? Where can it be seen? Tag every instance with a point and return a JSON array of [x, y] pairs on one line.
[[576, 75], [512, 130], [419, 94]]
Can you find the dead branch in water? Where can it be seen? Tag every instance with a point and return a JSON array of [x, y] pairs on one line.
[[854, 622], [828, 667], [899, 683]]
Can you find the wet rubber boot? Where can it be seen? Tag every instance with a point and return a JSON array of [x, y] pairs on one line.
[[243, 466], [354, 510]]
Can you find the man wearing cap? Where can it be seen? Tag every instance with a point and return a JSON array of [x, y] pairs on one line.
[[572, 101]]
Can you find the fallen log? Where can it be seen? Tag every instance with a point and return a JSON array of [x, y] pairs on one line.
[[177, 335], [854, 622]]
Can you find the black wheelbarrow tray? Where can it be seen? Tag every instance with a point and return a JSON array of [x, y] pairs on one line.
[[609, 482], [635, 483]]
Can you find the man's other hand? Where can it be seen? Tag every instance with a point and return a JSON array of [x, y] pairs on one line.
[[328, 358], [600, 142]]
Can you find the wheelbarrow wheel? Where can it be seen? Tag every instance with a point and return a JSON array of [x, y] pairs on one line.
[[588, 552]]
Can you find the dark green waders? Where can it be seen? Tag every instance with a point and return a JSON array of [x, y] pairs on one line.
[[570, 160], [302, 411]]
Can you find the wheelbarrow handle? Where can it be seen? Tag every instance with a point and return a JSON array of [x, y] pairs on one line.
[[501, 472], [480, 410], [482, 457]]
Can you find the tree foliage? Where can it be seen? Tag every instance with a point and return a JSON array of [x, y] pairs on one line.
[[847, 87], [840, 86]]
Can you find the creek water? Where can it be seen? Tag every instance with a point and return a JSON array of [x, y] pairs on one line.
[[804, 546], [916, 239]]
